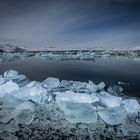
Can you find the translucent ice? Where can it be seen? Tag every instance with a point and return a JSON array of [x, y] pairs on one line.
[[10, 101], [113, 116], [78, 112], [36, 94], [5, 114], [8, 87], [79, 87], [75, 97], [100, 86], [109, 100], [51, 82], [94, 97], [10, 74], [114, 89], [131, 106], [24, 113], [91, 87]]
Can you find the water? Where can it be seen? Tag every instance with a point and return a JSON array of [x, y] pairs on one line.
[[109, 70]]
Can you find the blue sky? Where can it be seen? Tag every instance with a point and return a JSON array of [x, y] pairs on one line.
[[71, 23]]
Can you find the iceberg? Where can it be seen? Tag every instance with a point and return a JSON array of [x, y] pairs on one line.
[[131, 106], [78, 112], [113, 116], [109, 100]]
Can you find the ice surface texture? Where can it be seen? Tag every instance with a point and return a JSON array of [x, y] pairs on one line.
[[83, 102]]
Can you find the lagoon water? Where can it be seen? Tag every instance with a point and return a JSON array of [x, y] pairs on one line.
[[109, 70]]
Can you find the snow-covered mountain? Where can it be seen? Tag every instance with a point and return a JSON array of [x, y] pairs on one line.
[[11, 48]]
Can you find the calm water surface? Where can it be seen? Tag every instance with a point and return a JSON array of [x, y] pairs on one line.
[[109, 70]]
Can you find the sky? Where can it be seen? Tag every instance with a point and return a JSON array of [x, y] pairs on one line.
[[71, 23]]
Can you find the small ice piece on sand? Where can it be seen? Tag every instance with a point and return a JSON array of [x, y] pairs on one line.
[[78, 112], [5, 114], [131, 106], [75, 97], [109, 100], [8, 87], [24, 113], [51, 82], [113, 116]]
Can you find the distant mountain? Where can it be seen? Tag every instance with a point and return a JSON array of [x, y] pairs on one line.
[[11, 48]]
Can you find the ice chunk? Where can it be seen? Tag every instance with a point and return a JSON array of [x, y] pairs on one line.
[[113, 116], [51, 82], [91, 87], [10, 74], [75, 97], [10, 101], [115, 89], [8, 87], [65, 84], [20, 79], [109, 100], [79, 87], [94, 97], [36, 94], [78, 112], [24, 113], [131, 106], [33, 84], [101, 86], [5, 114]]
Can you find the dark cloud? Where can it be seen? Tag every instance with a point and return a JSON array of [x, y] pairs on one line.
[[71, 23]]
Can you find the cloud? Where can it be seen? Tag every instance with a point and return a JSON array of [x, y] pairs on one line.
[[70, 23]]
